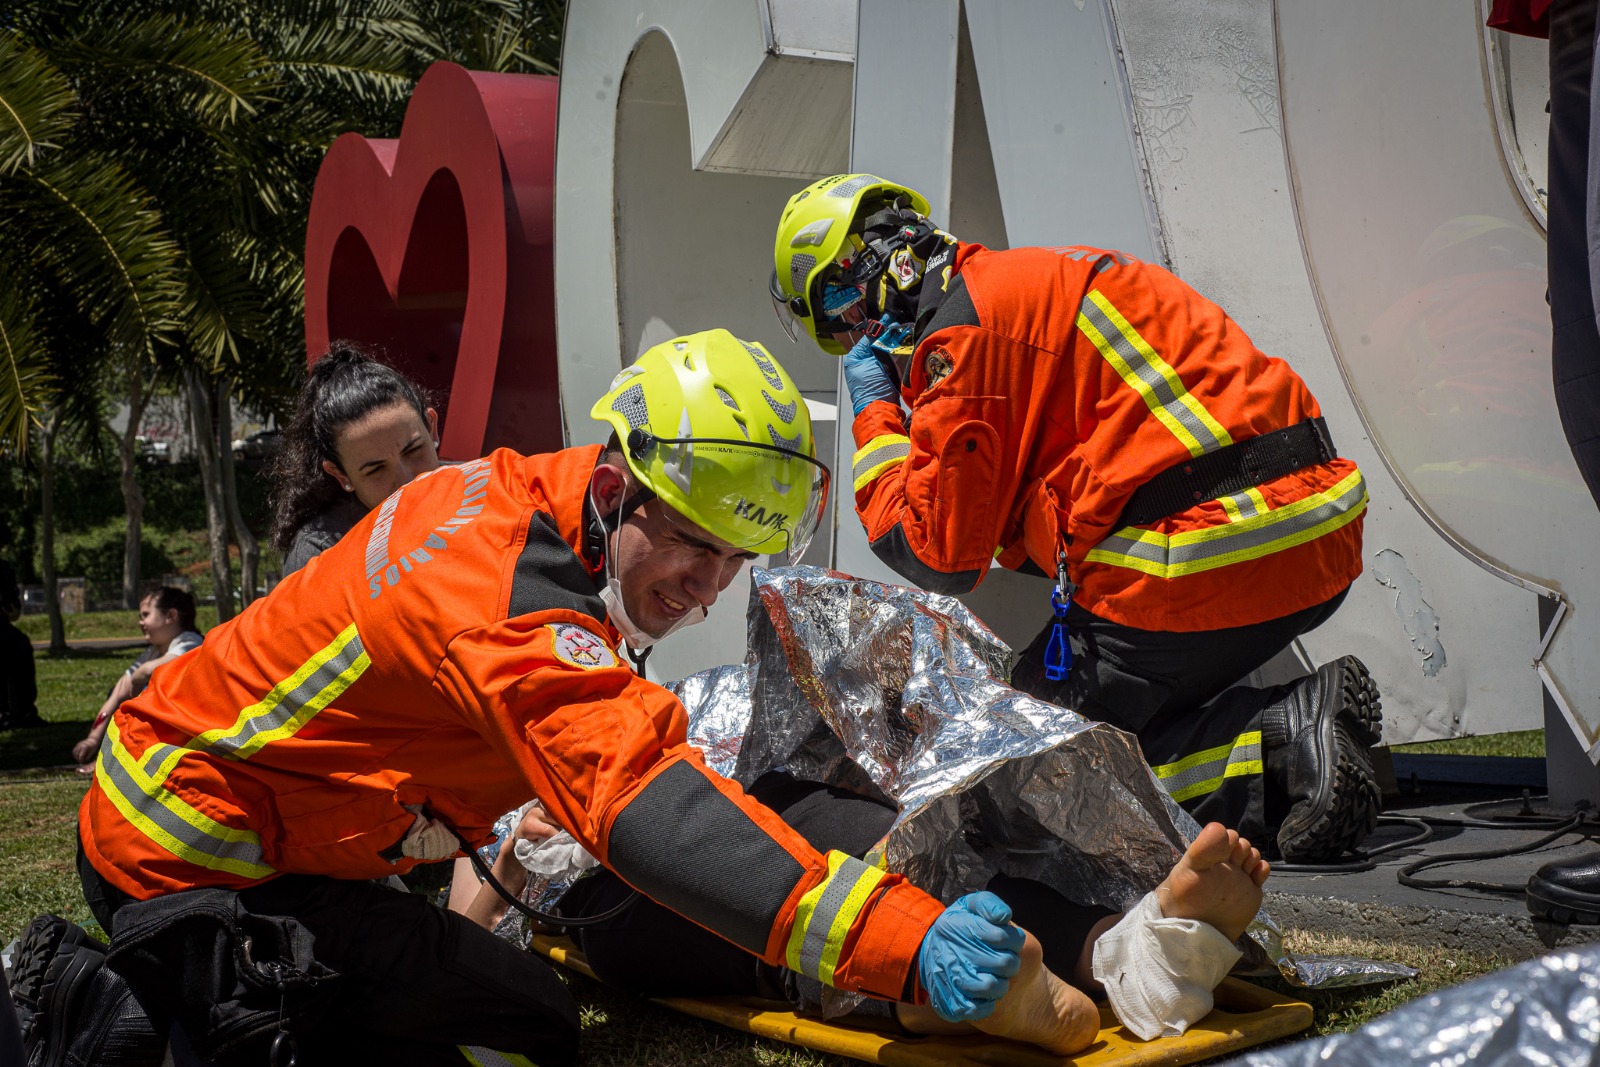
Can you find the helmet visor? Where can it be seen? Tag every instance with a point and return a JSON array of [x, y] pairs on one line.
[[789, 309], [756, 497]]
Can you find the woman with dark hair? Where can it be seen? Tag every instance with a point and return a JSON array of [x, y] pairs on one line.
[[360, 431]]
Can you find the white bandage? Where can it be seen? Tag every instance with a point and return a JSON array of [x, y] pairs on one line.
[[557, 858], [429, 840], [1158, 973]]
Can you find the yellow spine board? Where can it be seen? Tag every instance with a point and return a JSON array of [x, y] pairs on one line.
[[1245, 1015]]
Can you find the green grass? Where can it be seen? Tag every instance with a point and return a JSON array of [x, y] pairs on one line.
[[1517, 743], [72, 687], [38, 844], [90, 624]]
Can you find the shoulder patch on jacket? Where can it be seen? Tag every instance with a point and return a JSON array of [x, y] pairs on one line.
[[574, 645]]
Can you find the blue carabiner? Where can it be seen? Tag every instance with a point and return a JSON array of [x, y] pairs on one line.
[[1058, 651]]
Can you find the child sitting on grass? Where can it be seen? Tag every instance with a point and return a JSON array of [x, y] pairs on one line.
[[166, 618]]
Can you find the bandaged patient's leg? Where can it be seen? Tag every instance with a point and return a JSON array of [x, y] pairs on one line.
[[1159, 964]]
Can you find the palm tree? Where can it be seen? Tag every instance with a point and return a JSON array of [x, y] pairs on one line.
[[156, 164]]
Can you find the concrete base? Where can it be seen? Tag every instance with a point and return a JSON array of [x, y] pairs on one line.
[[1374, 905]]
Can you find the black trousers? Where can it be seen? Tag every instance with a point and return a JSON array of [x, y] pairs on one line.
[[1574, 232], [654, 952], [415, 981], [1168, 688]]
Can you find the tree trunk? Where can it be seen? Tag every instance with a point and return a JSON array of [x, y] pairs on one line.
[[132, 495], [47, 528], [205, 441], [249, 548]]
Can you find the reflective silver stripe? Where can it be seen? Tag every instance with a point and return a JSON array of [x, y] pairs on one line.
[[869, 459], [311, 688], [158, 813], [1204, 772], [1160, 392], [1200, 550], [841, 885], [1243, 505], [865, 461]]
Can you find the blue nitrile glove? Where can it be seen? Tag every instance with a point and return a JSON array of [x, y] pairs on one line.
[[865, 375], [968, 957]]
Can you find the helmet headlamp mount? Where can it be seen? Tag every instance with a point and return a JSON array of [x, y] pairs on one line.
[[640, 442]]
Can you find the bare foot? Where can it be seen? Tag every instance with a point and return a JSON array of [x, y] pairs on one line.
[[1039, 1008], [1217, 881]]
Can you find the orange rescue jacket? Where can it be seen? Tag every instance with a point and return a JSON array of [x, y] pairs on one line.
[[1049, 385], [451, 652]]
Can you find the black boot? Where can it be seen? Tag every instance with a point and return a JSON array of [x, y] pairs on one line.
[[1315, 739], [52, 972], [114, 1029], [1567, 891]]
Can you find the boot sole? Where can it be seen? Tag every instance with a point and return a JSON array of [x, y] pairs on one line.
[[40, 945], [54, 956], [1361, 707], [1558, 905]]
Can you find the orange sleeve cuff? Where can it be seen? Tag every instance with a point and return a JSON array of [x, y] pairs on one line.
[[880, 961], [876, 419]]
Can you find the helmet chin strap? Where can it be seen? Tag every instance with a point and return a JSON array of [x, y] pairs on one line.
[[638, 640]]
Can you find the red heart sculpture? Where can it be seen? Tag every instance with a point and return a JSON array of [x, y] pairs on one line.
[[436, 250]]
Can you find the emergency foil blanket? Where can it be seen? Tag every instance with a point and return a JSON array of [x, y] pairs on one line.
[[1545, 1011], [900, 694]]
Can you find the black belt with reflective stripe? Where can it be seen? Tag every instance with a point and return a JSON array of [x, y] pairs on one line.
[[1242, 465]]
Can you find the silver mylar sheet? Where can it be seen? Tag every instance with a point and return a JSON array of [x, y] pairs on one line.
[[1545, 1011], [900, 694]]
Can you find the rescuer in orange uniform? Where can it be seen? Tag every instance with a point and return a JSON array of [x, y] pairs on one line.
[[336, 733], [1081, 415]]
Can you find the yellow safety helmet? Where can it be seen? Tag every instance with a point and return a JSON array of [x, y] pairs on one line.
[[716, 429], [818, 232]]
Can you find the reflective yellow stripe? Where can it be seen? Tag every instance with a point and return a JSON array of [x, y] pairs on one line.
[[488, 1057], [1152, 377], [137, 786], [1194, 551], [1245, 505], [1204, 772], [158, 813], [291, 704], [825, 915], [877, 456]]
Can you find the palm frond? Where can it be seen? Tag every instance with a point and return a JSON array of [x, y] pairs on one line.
[[36, 103], [214, 72], [26, 384], [102, 237], [224, 305]]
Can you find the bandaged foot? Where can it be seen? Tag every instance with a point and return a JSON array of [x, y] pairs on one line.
[[1039, 1009], [1160, 963]]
